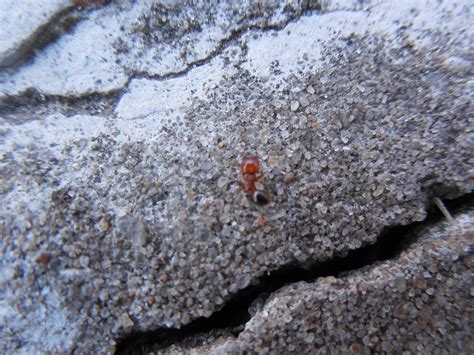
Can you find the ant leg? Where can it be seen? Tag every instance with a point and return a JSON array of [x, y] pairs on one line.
[[238, 182]]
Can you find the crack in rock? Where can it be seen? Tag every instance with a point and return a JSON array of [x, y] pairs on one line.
[[24, 24], [40, 104], [131, 68], [419, 302], [32, 101], [32, 105], [234, 36], [59, 23], [236, 312], [113, 226]]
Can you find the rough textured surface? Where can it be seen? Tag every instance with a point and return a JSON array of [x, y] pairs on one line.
[[146, 38], [118, 209], [419, 302], [21, 21]]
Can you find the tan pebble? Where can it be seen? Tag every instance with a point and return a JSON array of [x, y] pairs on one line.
[[273, 160], [423, 321], [164, 277], [125, 320], [378, 191], [315, 123], [191, 193], [309, 192], [289, 178]]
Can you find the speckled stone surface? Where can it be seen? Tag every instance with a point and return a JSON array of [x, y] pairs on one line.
[[420, 302], [119, 211]]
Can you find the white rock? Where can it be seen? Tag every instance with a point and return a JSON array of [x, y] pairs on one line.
[[294, 105], [20, 25]]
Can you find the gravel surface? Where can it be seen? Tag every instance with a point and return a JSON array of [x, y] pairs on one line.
[[420, 302], [120, 211]]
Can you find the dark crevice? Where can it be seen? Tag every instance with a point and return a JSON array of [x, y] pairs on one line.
[[233, 316], [221, 46], [32, 105], [31, 100], [60, 23], [308, 9]]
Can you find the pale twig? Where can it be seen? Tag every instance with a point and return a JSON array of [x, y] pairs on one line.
[[443, 209]]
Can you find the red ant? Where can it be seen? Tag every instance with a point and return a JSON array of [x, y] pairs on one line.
[[250, 169]]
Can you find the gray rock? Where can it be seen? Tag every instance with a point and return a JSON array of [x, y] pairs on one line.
[[142, 113], [122, 40], [364, 314], [24, 23], [400, 283]]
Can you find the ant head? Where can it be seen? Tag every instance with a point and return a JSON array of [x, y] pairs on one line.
[[250, 164], [260, 198]]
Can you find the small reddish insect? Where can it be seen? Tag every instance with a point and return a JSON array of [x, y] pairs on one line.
[[250, 169]]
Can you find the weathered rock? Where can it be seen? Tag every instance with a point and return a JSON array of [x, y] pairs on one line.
[[385, 125], [23, 23], [367, 310], [133, 39]]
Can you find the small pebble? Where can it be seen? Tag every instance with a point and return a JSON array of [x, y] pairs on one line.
[[125, 321], [294, 105], [289, 178], [43, 258], [164, 277], [304, 102], [378, 191]]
